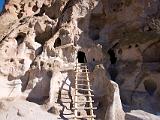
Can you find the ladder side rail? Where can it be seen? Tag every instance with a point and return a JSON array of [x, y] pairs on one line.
[[90, 98], [75, 97]]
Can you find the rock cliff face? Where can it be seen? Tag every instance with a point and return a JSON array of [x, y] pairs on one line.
[[42, 40]]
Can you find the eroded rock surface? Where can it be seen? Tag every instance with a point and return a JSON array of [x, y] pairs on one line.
[[42, 40]]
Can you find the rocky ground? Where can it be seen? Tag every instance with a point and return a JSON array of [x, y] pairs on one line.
[[20, 109], [42, 40]]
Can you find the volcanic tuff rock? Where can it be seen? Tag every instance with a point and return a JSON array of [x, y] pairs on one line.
[[41, 39]]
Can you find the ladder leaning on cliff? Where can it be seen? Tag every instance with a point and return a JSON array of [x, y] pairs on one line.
[[82, 84]]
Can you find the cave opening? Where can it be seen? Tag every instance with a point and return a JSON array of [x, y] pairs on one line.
[[150, 86], [152, 54], [81, 57], [42, 10], [112, 55], [129, 46], [57, 43], [20, 38], [35, 8], [113, 72], [112, 68], [44, 36], [96, 24]]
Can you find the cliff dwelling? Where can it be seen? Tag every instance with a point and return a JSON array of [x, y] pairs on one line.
[[80, 60], [81, 57]]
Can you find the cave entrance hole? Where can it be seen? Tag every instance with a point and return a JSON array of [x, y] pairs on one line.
[[152, 54], [20, 37], [150, 86], [81, 57], [57, 43], [112, 55]]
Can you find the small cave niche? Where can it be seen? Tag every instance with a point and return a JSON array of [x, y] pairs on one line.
[[95, 36], [21, 61], [25, 80], [81, 57], [81, 23], [57, 42], [150, 86], [42, 10], [11, 60], [96, 24], [152, 53], [49, 74], [100, 105], [34, 8], [20, 37], [112, 55], [15, 6], [129, 46], [114, 10], [29, 4], [44, 36], [41, 63], [147, 28], [54, 11], [117, 6], [120, 51], [113, 72], [19, 15], [39, 51], [49, 64], [136, 45], [30, 25], [34, 64]]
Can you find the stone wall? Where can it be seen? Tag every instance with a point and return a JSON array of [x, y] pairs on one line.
[[40, 39]]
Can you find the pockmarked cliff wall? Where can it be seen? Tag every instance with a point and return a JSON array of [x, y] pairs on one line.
[[41, 39]]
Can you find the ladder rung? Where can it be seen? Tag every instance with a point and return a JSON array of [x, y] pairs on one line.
[[67, 118], [81, 66], [83, 89], [64, 101], [81, 72], [78, 66], [85, 95], [65, 89], [84, 101], [81, 63], [92, 116], [83, 80], [83, 85], [84, 70], [85, 108], [81, 76], [65, 98]]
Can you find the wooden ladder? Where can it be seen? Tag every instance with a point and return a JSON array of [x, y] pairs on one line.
[[82, 84]]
